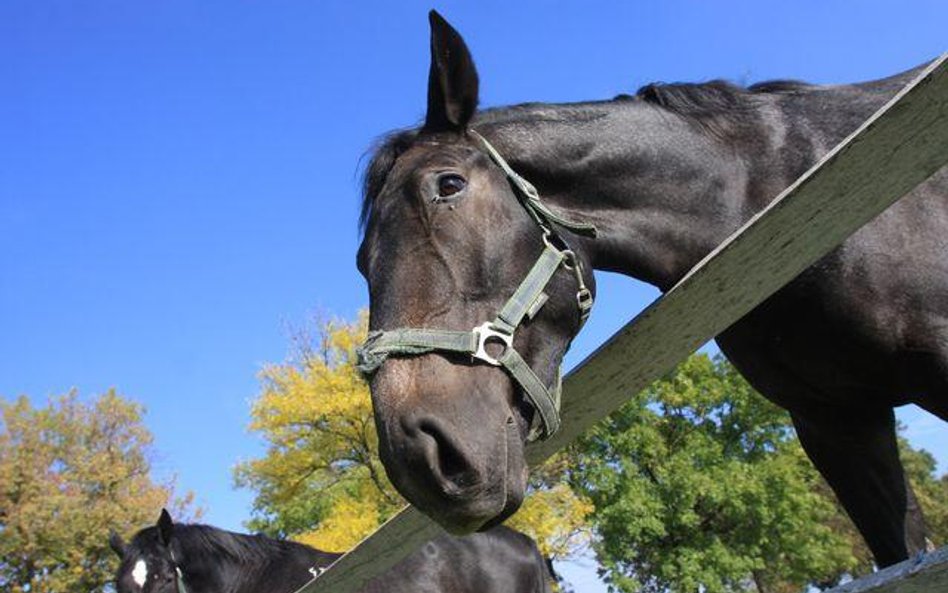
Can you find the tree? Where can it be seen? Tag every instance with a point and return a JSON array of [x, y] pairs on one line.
[[321, 481], [699, 484], [931, 491], [70, 473]]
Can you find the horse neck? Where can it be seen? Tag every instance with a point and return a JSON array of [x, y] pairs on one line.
[[664, 189], [254, 565]]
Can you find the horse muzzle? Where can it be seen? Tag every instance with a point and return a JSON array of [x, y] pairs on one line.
[[458, 458]]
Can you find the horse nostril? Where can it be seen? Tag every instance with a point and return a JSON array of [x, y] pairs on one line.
[[452, 466]]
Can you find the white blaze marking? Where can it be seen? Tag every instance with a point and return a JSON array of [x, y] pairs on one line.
[[140, 573]]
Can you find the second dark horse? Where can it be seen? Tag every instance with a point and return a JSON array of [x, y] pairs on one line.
[[185, 558], [665, 176]]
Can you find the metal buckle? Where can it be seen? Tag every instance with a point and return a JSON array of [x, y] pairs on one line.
[[584, 298], [484, 332]]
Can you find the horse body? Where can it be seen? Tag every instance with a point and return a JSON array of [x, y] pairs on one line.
[[213, 560], [499, 561], [665, 176], [667, 182]]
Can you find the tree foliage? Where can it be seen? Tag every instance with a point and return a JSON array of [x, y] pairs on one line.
[[70, 473], [699, 483], [321, 481], [554, 513], [931, 491]]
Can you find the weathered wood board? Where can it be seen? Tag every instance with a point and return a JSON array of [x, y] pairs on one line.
[[900, 146], [398, 537], [924, 574]]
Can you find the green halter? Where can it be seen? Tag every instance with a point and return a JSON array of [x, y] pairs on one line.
[[525, 302], [179, 583]]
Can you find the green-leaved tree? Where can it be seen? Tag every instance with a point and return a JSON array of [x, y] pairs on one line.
[[699, 483]]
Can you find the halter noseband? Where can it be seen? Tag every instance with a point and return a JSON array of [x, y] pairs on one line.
[[525, 302]]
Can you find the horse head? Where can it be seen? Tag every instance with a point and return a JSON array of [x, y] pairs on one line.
[[474, 298], [147, 563]]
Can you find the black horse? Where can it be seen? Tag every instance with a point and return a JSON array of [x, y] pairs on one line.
[[451, 232], [185, 558]]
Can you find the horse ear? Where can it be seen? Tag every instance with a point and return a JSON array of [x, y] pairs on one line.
[[452, 79], [117, 544], [165, 527]]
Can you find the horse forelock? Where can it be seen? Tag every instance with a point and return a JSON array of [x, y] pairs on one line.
[[382, 158]]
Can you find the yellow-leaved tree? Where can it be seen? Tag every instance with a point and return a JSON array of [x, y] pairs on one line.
[[71, 472], [321, 481]]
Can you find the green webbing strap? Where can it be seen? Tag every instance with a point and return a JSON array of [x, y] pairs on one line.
[[530, 197], [546, 404], [179, 583], [529, 290], [408, 340]]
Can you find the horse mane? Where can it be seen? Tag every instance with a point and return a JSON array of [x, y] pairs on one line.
[[716, 105], [239, 547], [242, 549], [689, 98]]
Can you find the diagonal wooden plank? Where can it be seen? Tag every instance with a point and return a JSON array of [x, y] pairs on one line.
[[900, 146], [926, 573], [395, 539]]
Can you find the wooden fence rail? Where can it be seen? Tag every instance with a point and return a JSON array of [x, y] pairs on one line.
[[925, 574], [896, 149]]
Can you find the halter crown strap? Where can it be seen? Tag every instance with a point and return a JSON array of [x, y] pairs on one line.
[[525, 302], [529, 196]]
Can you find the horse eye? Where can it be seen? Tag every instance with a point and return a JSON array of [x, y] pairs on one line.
[[450, 184]]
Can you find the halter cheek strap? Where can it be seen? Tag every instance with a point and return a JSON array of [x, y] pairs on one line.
[[525, 302], [179, 576]]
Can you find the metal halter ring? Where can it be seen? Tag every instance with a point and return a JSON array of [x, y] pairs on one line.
[[487, 331]]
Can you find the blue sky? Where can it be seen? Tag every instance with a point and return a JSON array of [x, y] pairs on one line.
[[179, 181]]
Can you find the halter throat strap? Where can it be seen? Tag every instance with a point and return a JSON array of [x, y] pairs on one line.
[[526, 301]]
